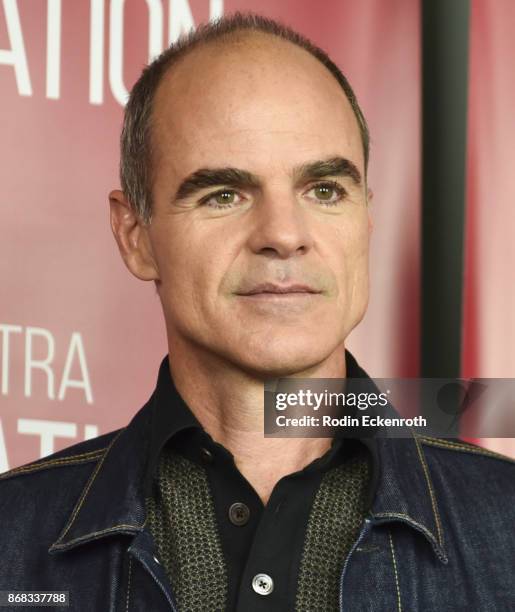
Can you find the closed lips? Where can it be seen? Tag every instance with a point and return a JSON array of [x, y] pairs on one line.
[[271, 288]]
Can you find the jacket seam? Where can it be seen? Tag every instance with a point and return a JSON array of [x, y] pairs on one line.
[[86, 490], [81, 458], [464, 449], [396, 574], [93, 535], [128, 586], [431, 493], [401, 515]]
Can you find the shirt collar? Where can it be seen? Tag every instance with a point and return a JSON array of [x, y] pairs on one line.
[[169, 415], [113, 500]]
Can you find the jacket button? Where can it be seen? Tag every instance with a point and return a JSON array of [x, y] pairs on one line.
[[239, 514], [206, 454], [262, 584]]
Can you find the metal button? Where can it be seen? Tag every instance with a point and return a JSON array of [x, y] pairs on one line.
[[157, 560], [239, 513], [206, 455], [262, 584]]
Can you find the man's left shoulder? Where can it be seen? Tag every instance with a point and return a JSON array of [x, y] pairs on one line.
[[478, 469], [472, 490], [458, 446]]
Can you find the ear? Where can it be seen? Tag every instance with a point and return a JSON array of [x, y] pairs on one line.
[[132, 237]]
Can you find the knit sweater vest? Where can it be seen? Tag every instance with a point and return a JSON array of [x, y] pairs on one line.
[[181, 518]]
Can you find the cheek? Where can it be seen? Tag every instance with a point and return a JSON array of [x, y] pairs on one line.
[[192, 276], [351, 265], [175, 260]]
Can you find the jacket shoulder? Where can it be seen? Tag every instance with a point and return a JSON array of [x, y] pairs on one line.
[[82, 452], [455, 445]]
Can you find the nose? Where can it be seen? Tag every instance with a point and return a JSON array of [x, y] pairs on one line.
[[280, 228]]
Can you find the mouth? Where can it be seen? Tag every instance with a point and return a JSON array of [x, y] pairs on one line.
[[271, 290]]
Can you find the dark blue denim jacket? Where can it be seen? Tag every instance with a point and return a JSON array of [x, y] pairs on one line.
[[439, 534]]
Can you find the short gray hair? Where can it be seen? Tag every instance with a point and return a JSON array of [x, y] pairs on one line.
[[136, 142]]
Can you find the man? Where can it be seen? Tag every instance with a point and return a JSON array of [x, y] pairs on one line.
[[245, 200]]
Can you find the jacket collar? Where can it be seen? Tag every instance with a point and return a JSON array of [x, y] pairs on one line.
[[113, 499], [401, 489], [404, 490]]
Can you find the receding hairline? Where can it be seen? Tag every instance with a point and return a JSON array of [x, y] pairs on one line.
[[243, 37], [248, 38], [136, 168]]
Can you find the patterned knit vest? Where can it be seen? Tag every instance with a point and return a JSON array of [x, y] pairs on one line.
[[182, 520]]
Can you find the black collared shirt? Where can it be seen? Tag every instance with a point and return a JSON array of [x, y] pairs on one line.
[[249, 539]]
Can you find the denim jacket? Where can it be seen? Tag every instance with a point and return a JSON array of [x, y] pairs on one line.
[[439, 535]]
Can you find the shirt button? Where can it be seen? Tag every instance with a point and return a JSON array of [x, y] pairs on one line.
[[206, 454], [262, 584], [239, 514]]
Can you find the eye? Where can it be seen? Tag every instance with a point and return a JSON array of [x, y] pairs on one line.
[[328, 193], [225, 198]]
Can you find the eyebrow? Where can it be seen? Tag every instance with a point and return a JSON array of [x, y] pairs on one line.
[[237, 178]]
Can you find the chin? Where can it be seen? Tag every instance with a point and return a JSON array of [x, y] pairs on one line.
[[277, 359]]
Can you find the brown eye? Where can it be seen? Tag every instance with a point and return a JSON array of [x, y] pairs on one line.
[[225, 197], [327, 193], [323, 192]]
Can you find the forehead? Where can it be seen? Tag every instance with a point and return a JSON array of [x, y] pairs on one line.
[[253, 100]]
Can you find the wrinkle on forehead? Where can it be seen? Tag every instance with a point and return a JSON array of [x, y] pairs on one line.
[[251, 84], [261, 59]]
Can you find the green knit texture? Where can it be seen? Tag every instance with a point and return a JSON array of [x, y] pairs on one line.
[[333, 526], [181, 518]]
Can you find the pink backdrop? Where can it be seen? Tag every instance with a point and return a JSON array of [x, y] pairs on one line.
[[489, 314], [81, 339]]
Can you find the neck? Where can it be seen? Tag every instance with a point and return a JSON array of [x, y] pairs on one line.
[[228, 402]]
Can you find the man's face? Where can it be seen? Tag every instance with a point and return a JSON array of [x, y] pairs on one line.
[[257, 189]]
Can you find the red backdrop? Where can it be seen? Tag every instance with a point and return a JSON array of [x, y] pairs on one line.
[[80, 339], [489, 313]]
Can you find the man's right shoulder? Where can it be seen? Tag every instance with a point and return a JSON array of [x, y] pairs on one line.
[[37, 500], [88, 451]]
